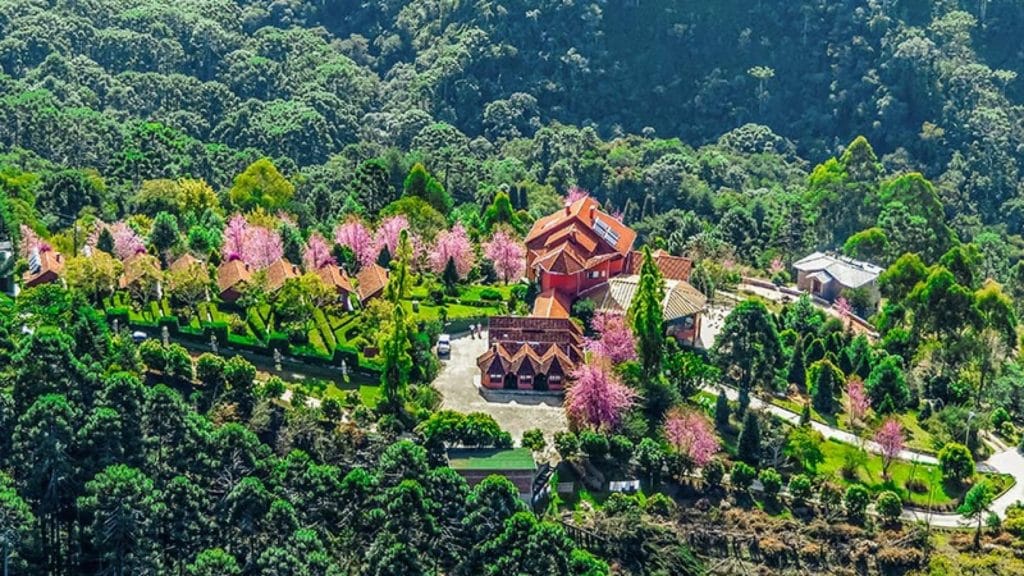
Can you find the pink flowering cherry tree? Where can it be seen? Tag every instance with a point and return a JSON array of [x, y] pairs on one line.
[[263, 247], [889, 438], [127, 242], [388, 232], [453, 245], [31, 242], [357, 237], [507, 254], [574, 194], [691, 435], [317, 253], [234, 238], [614, 337], [596, 398], [857, 401]]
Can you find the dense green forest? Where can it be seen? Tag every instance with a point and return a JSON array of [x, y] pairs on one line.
[[428, 134]]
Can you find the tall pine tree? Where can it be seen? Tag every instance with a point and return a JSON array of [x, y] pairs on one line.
[[647, 317]]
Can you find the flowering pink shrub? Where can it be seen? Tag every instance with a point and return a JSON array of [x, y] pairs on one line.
[[30, 242], [453, 245], [596, 398], [234, 238], [356, 236], [614, 337], [507, 254], [691, 435]]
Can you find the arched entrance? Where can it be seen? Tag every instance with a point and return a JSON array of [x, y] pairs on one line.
[[511, 382], [540, 382]]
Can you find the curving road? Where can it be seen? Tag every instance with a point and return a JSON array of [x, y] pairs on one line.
[[1007, 461]]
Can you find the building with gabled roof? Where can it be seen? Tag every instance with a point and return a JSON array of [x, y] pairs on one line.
[[279, 272], [577, 248], [371, 281], [530, 353], [827, 276], [231, 279], [44, 267], [334, 277], [579, 252], [184, 262]]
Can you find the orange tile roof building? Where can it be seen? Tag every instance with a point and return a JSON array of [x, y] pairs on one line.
[[231, 279], [44, 267], [571, 254]]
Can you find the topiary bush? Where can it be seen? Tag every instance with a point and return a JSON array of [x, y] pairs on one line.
[[742, 476], [889, 507]]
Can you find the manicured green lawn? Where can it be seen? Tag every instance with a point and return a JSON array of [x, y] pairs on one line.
[[369, 395], [900, 472]]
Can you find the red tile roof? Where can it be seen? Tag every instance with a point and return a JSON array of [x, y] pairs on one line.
[[370, 281], [232, 273], [185, 262], [562, 260], [51, 264], [334, 277], [551, 304], [585, 214], [136, 267], [279, 272], [672, 267]]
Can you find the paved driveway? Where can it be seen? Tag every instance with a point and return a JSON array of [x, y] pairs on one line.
[[459, 384]]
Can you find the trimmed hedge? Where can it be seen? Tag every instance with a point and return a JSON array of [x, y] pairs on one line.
[[171, 322]]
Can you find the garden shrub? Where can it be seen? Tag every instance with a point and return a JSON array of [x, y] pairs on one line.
[[956, 462], [889, 507], [619, 503], [660, 505], [800, 488], [771, 481], [742, 476], [714, 473], [594, 444], [153, 355], [891, 558], [490, 294], [856, 502]]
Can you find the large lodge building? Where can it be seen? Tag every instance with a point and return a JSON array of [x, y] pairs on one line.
[[579, 252]]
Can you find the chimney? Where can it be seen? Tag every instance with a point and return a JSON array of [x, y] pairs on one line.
[[568, 208], [593, 209]]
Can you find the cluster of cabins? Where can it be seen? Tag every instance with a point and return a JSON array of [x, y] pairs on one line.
[[578, 253], [231, 279]]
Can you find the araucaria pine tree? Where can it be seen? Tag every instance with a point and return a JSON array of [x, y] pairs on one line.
[[400, 279], [748, 445], [647, 317]]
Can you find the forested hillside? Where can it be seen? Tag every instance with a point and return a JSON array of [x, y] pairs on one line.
[[143, 89]]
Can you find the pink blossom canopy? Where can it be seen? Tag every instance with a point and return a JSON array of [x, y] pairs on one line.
[[453, 245], [596, 398], [507, 254], [389, 231], [356, 236], [127, 242], [691, 435], [254, 245], [31, 242], [889, 438], [317, 253], [614, 337], [857, 400], [575, 193]]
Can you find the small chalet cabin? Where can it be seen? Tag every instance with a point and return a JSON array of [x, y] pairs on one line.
[[516, 464], [279, 272], [44, 267], [530, 353], [370, 282], [231, 279], [577, 248], [827, 276], [335, 278]]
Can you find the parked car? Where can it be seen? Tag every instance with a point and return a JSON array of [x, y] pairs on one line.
[[444, 345], [139, 336]]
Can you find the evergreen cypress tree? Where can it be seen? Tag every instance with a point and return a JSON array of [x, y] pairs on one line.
[[797, 370], [748, 445], [450, 277], [826, 381], [722, 410], [805, 415], [105, 241], [647, 317]]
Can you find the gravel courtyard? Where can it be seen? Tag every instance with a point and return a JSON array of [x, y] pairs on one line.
[[459, 381]]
